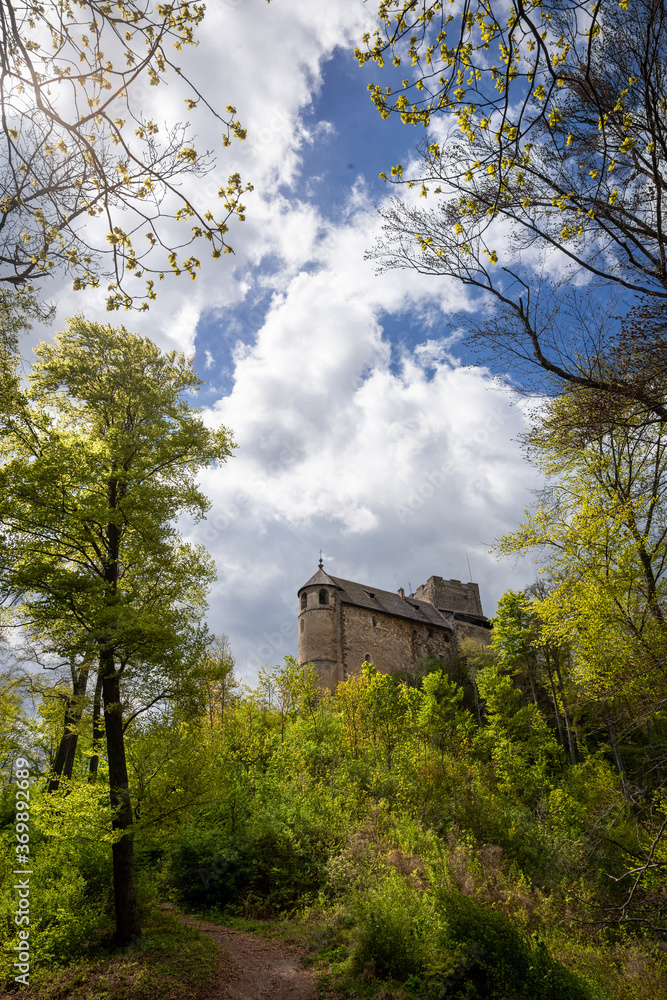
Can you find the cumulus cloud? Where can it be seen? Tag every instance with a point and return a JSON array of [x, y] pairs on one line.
[[359, 430], [398, 463]]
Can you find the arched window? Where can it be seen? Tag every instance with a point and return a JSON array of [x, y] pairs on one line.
[[324, 596], [302, 624], [304, 601]]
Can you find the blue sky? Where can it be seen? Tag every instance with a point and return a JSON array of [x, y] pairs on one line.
[[361, 431]]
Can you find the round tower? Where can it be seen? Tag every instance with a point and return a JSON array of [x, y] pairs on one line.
[[318, 629]]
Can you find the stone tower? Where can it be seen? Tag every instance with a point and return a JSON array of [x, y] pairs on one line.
[[318, 627]]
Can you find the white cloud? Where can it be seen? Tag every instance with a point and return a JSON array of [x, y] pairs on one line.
[[398, 467], [394, 459]]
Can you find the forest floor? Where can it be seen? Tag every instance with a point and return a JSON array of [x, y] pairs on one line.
[[181, 958], [253, 968]]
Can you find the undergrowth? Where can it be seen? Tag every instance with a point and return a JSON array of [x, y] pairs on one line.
[[172, 962]]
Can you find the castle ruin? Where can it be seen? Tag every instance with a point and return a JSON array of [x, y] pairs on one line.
[[342, 624]]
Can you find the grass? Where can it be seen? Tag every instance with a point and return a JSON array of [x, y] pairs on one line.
[[172, 962]]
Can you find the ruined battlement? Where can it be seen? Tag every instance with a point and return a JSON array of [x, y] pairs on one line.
[[451, 595]]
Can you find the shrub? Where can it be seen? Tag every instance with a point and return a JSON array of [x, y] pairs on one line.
[[262, 871], [500, 961], [69, 904], [398, 931]]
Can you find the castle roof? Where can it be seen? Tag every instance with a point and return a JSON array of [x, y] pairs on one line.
[[383, 601], [319, 578], [392, 604]]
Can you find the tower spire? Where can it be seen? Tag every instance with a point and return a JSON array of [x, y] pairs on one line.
[[321, 564]]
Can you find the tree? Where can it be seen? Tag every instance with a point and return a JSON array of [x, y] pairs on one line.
[[441, 714], [99, 458], [216, 681], [519, 639], [602, 526], [86, 176], [547, 145]]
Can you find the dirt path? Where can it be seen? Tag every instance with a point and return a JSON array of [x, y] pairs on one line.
[[257, 969]]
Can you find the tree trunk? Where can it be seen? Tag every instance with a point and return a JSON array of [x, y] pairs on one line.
[[620, 766], [128, 926], [98, 730], [478, 707], [561, 734], [566, 715], [63, 764], [651, 738], [532, 689]]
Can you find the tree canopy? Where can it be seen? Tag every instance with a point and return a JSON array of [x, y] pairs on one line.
[[88, 180], [601, 530], [546, 147]]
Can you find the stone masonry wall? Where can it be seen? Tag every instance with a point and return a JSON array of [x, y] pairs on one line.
[[392, 644], [467, 630], [451, 595]]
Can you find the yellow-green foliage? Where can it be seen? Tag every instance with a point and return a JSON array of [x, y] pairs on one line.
[[440, 842], [70, 884]]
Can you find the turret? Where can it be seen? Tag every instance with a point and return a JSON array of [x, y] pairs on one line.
[[318, 633]]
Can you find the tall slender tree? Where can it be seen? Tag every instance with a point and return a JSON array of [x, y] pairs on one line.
[[98, 458]]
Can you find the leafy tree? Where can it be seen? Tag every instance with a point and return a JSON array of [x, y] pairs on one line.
[[86, 176], [523, 748], [602, 524], [475, 657], [441, 713], [546, 136], [523, 648], [292, 689], [99, 458], [602, 528], [216, 681]]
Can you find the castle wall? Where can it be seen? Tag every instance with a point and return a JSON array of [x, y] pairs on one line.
[[392, 644], [451, 595], [467, 630], [338, 635]]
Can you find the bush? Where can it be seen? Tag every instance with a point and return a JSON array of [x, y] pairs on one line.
[[444, 944], [498, 960], [70, 904], [260, 872], [399, 933]]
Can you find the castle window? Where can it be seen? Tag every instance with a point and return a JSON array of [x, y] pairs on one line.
[[302, 624], [304, 601], [324, 596], [374, 621]]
